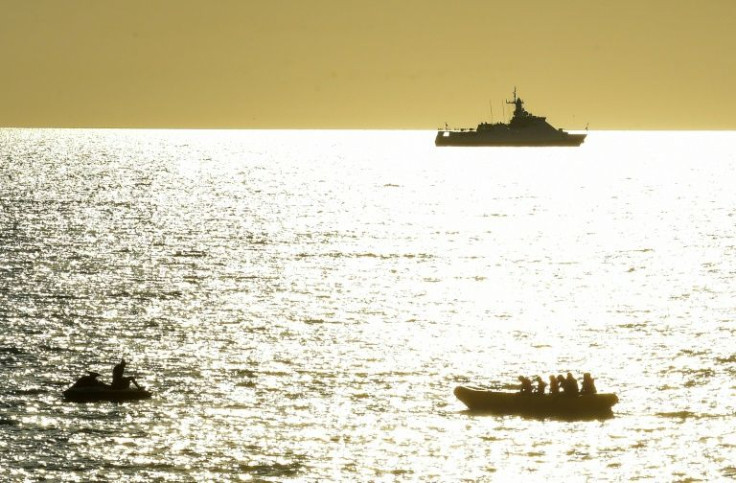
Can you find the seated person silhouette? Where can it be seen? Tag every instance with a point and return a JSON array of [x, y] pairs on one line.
[[541, 385], [562, 383], [554, 385], [588, 385], [118, 380], [526, 385], [571, 385]]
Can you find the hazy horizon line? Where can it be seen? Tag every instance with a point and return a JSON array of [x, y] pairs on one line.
[[159, 128]]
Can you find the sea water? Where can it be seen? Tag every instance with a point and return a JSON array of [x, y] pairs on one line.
[[302, 304]]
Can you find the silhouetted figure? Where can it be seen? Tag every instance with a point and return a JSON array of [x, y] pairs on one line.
[[540, 385], [526, 385], [571, 385], [118, 380], [588, 386], [562, 383], [554, 385]]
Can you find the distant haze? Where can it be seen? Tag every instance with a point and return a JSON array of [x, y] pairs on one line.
[[412, 64]]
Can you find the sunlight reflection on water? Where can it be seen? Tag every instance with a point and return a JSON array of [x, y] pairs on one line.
[[303, 303]]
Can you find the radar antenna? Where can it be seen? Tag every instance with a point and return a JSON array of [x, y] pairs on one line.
[[519, 109]]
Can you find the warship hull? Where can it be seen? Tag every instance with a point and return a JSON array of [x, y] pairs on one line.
[[480, 139]]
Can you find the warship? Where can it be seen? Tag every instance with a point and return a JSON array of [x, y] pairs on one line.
[[524, 129]]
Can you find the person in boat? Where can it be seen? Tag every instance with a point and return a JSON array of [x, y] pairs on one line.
[[588, 386], [562, 383], [118, 380], [554, 385], [571, 385], [526, 385], [541, 385]]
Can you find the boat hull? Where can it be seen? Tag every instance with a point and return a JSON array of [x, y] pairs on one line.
[[589, 406], [480, 139], [104, 393]]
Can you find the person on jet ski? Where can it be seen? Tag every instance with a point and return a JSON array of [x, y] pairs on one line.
[[118, 380]]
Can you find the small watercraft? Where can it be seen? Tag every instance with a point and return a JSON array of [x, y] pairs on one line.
[[581, 406], [89, 389]]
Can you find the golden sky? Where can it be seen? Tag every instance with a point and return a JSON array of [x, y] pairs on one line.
[[644, 64]]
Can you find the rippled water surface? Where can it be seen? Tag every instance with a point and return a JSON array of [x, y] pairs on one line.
[[302, 304]]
